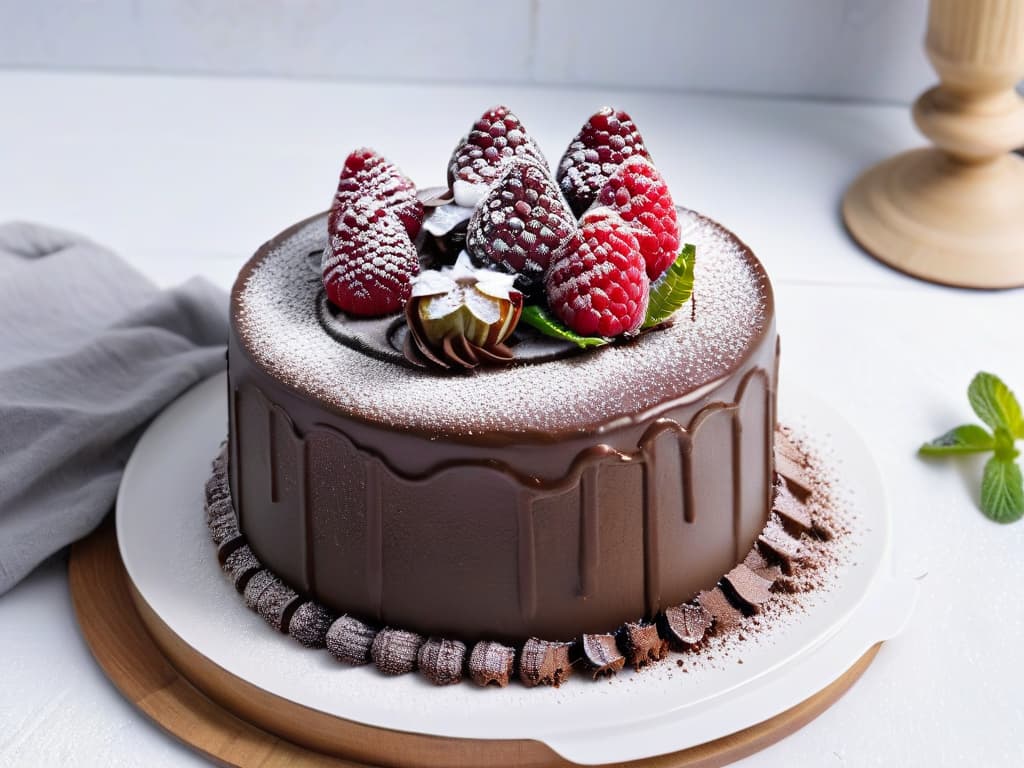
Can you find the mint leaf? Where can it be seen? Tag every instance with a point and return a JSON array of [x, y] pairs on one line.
[[539, 318], [995, 404], [673, 289], [1004, 446], [968, 438], [1002, 491]]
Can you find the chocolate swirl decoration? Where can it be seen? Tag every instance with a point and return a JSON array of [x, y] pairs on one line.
[[459, 316], [455, 351]]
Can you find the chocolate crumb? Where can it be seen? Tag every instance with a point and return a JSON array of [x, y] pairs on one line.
[[241, 565], [227, 547], [785, 447], [217, 486], [642, 644], [350, 640], [441, 661], [759, 564], [600, 654], [781, 546], [544, 663], [491, 663], [276, 605], [394, 651], [747, 589], [684, 626], [726, 616], [309, 624], [820, 531], [795, 516], [260, 581], [794, 476], [223, 527]]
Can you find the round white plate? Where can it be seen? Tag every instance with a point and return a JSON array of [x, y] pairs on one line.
[[169, 557]]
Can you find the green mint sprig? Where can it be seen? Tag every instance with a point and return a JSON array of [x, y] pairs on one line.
[[538, 317], [1002, 486], [673, 289]]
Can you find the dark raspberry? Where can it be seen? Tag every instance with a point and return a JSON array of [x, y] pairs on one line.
[[522, 223], [367, 174], [370, 261], [605, 141]]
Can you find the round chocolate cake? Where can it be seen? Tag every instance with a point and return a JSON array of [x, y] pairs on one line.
[[567, 493]]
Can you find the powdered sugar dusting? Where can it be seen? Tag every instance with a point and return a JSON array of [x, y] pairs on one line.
[[277, 320]]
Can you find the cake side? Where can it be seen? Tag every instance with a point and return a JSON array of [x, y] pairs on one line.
[[460, 514]]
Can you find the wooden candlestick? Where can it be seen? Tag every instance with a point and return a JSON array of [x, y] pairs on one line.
[[955, 214]]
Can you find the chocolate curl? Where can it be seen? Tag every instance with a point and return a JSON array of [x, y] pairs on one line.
[[600, 654], [257, 585], [276, 605], [309, 624], [441, 661], [220, 519], [228, 546], [747, 589], [759, 564], [394, 651], [726, 616], [434, 197], [781, 547], [455, 352], [491, 663], [795, 516], [350, 640], [684, 626], [241, 565], [544, 663], [642, 644]]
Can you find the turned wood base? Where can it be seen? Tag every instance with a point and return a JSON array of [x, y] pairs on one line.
[[945, 221]]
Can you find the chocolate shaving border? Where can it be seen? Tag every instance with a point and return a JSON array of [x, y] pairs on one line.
[[765, 571]]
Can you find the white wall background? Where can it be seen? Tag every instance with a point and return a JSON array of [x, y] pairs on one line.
[[844, 49]]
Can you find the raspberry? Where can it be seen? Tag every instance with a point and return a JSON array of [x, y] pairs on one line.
[[370, 261], [606, 140], [600, 287], [638, 193], [367, 174], [478, 159], [522, 223]]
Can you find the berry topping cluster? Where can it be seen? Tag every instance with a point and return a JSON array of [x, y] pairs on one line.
[[586, 246]]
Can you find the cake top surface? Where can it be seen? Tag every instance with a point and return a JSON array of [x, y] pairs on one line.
[[275, 314]]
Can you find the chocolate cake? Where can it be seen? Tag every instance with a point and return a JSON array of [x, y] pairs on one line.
[[522, 488]]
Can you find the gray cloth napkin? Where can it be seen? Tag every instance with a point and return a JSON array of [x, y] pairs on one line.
[[90, 351]]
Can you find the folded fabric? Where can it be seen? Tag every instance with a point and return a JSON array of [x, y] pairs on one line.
[[90, 352]]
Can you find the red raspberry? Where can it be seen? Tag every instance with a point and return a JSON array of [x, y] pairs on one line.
[[638, 193], [370, 261], [606, 140], [600, 287], [522, 223], [477, 160], [367, 174]]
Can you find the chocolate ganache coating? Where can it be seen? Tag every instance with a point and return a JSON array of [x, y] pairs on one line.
[[549, 499]]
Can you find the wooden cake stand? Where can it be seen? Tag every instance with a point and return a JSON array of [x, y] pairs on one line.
[[155, 671], [954, 213]]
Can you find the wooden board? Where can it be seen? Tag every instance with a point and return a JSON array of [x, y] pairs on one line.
[[153, 669]]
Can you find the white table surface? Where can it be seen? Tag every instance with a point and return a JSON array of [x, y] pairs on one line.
[[189, 175]]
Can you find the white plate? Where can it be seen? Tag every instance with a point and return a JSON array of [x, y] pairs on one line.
[[169, 557]]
